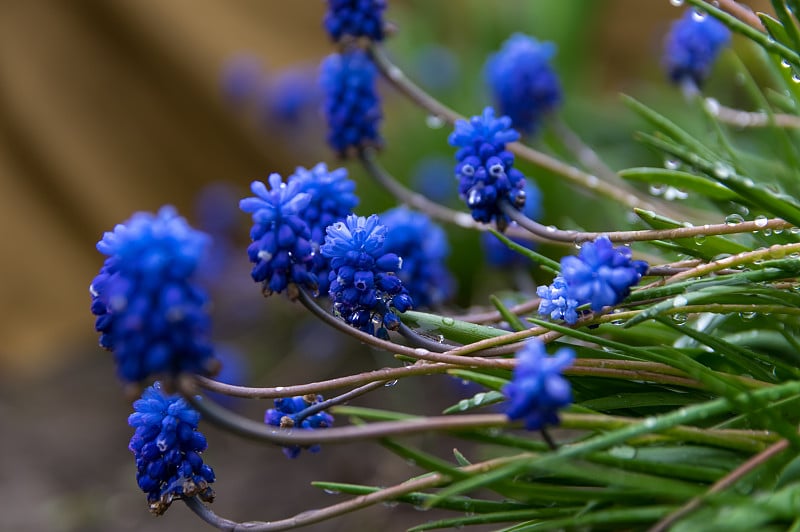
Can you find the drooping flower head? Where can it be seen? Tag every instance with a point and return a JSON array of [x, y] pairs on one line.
[[692, 45], [351, 102], [365, 288], [496, 253], [332, 199], [286, 414], [523, 84], [601, 274], [424, 248], [485, 169], [150, 311], [556, 303], [355, 18], [281, 250], [167, 448], [538, 389]]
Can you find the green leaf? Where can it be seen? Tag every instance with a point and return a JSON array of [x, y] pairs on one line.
[[489, 381], [681, 180], [478, 400], [545, 263], [450, 328]]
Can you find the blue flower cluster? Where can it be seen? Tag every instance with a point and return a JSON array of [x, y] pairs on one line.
[[351, 102], [281, 248], [538, 389], [485, 169], [355, 18], [365, 288], [523, 84], [332, 199], [285, 415], [692, 45], [600, 275], [496, 253], [424, 248], [150, 311], [167, 447], [556, 302]]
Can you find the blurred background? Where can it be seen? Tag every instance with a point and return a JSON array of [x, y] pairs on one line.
[[107, 108]]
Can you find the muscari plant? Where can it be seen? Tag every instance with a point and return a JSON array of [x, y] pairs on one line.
[[670, 399]]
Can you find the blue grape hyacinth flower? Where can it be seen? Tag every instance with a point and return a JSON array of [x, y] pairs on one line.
[[286, 415], [332, 199], [167, 448], [351, 102], [523, 84], [485, 169], [355, 18], [281, 248], [364, 285], [538, 388], [556, 303], [601, 274], [151, 312], [692, 45], [424, 248]]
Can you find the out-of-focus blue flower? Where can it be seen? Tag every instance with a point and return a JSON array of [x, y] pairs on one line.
[[291, 96], [150, 311], [538, 389], [485, 169], [437, 68], [281, 248], [365, 288], [692, 45], [424, 248], [332, 199], [351, 104], [556, 303], [355, 18], [433, 178], [497, 254], [601, 274], [523, 84], [285, 415], [167, 448], [242, 77]]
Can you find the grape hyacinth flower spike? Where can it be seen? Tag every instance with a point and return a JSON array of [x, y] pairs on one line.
[[424, 248], [523, 84], [351, 102], [556, 302], [538, 388], [485, 169], [286, 414], [281, 248], [332, 199], [151, 312], [692, 45], [601, 274], [354, 19], [364, 286], [167, 448]]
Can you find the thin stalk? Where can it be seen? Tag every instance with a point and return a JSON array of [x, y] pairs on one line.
[[747, 257]]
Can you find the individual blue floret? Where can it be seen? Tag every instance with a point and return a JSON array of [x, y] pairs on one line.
[[424, 248], [365, 288], [556, 303], [351, 101], [601, 274], [332, 199], [523, 84], [692, 45], [167, 448], [150, 310], [281, 248], [499, 255], [485, 168], [285, 415], [538, 389], [355, 18]]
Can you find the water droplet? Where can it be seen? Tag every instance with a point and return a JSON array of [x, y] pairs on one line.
[[650, 422], [434, 122], [679, 301], [331, 492], [390, 504], [747, 316], [422, 351], [760, 220], [767, 232], [680, 319], [592, 181], [698, 16], [722, 171], [785, 63], [550, 228], [699, 239], [389, 384], [623, 451], [734, 219], [676, 3], [711, 104], [478, 398], [657, 190], [795, 78], [448, 321], [671, 164], [673, 193]]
